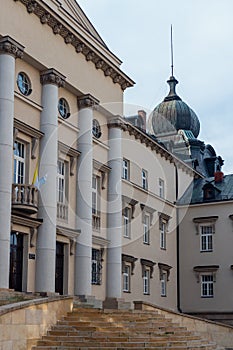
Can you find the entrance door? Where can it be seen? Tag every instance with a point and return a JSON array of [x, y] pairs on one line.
[[16, 261], [59, 267]]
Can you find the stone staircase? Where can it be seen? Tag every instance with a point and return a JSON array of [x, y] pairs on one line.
[[87, 329]]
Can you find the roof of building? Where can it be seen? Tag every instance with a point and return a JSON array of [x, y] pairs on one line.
[[174, 114], [195, 194]]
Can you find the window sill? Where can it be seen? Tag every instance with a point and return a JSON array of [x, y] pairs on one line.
[[206, 251], [126, 291], [207, 297], [146, 243]]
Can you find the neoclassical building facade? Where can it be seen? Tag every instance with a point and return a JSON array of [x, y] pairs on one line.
[[88, 199]]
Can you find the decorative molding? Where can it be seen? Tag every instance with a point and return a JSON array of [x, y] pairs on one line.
[[28, 222], [80, 44], [128, 259], [11, 47], [203, 269], [67, 150], [87, 101], [147, 263], [33, 235], [104, 169], [103, 242], [27, 129], [162, 268], [205, 219], [129, 201], [71, 234], [164, 216], [52, 76]]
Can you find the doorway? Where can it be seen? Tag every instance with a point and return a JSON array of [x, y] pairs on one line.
[[59, 274], [16, 261]]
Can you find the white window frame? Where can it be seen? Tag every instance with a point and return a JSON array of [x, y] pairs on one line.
[[146, 228], [163, 233], [96, 267], [207, 286], [206, 237], [125, 169], [163, 282], [95, 195], [126, 221], [19, 163], [144, 179], [161, 188], [61, 181], [126, 278], [146, 281]]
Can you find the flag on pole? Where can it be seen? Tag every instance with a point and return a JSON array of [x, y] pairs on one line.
[[36, 181]]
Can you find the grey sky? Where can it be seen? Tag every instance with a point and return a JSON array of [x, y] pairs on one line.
[[138, 32]]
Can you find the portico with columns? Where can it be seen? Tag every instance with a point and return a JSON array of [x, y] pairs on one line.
[[10, 50]]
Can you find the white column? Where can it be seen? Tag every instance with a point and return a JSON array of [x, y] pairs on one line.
[[46, 238], [114, 278], [9, 51], [84, 197]]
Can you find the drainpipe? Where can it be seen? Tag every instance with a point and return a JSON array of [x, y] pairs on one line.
[[177, 241]]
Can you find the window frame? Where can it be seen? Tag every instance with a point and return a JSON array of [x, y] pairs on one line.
[[144, 178], [125, 169], [163, 282], [19, 163], [206, 238], [163, 233], [126, 279], [207, 287], [63, 108], [126, 222], [161, 188], [61, 179], [146, 228], [96, 276], [146, 281], [24, 84]]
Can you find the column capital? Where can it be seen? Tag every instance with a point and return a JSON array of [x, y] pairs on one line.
[[117, 122], [52, 76], [87, 101], [11, 47]]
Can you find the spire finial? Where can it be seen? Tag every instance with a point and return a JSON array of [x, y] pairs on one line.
[[172, 66]]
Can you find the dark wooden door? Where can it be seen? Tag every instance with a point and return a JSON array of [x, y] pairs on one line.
[[59, 268], [16, 261]]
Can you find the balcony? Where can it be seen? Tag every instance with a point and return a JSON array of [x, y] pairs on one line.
[[62, 211], [25, 198], [96, 222]]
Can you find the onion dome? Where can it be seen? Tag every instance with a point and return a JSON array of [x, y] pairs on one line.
[[173, 114]]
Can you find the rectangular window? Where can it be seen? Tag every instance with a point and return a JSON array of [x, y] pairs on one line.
[[164, 285], [96, 267], [125, 169], [161, 188], [206, 237], [61, 182], [146, 229], [163, 226], [19, 162], [126, 222], [96, 202], [126, 278], [207, 286], [146, 282], [144, 179]]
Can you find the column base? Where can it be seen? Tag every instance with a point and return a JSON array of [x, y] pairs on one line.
[[116, 303], [87, 301]]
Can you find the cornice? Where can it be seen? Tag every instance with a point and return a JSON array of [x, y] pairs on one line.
[[52, 76], [27, 129], [81, 45], [28, 222], [120, 123], [62, 147], [11, 47]]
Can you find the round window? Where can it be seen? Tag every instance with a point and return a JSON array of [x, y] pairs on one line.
[[24, 84], [63, 108], [96, 130]]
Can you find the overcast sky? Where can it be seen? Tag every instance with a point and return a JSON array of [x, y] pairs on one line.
[[138, 32]]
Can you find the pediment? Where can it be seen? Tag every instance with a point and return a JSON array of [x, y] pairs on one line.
[[72, 8]]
